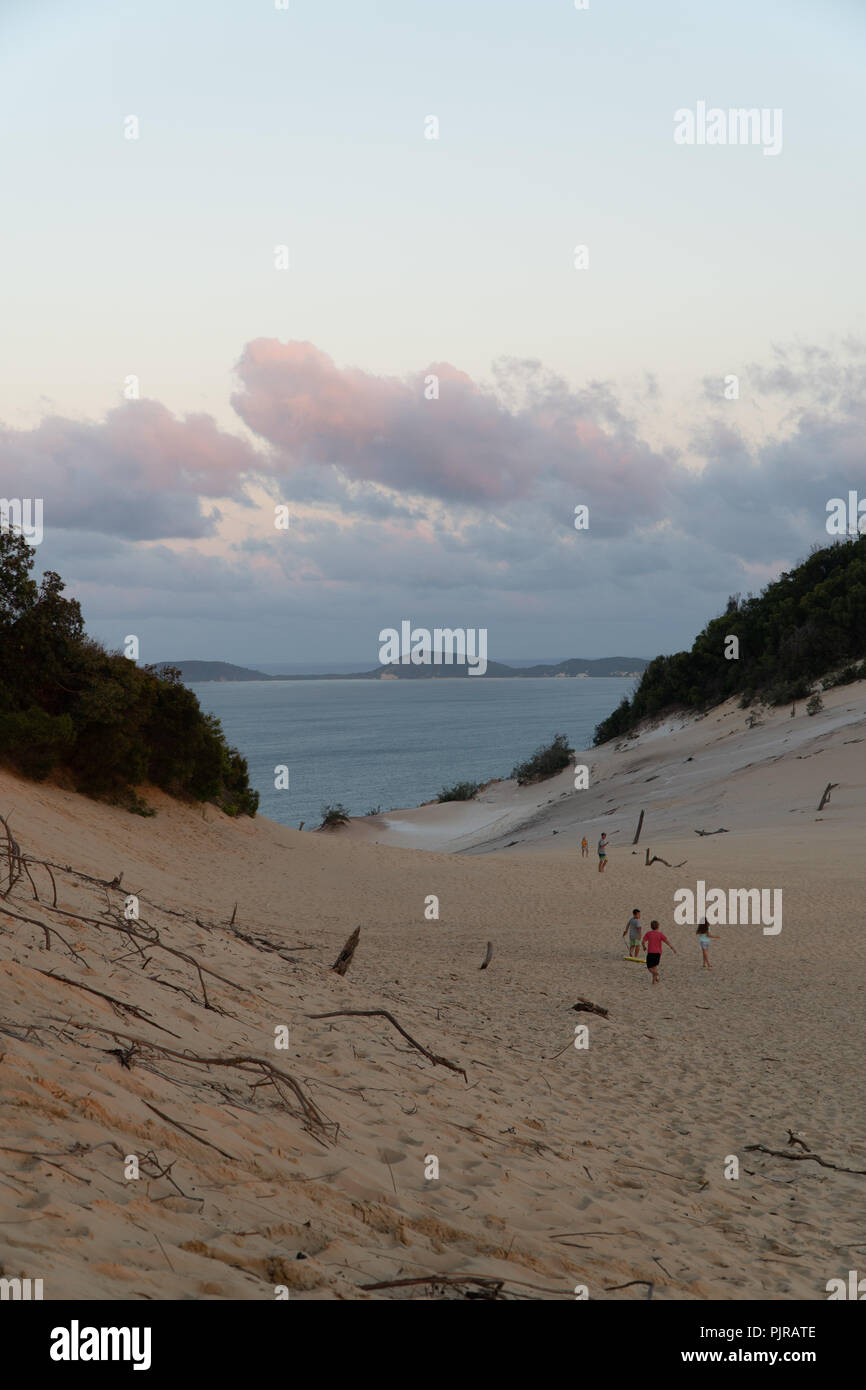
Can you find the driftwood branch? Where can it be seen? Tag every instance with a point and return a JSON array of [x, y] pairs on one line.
[[117, 1004], [657, 859], [639, 828], [802, 1158], [583, 1006], [830, 787], [383, 1013], [344, 959], [492, 1286], [631, 1283], [487, 956], [192, 1134], [313, 1117], [720, 831]]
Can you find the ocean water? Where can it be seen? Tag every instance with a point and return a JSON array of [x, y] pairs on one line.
[[371, 744]]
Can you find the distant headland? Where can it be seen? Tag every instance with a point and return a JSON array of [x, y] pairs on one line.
[[195, 672]]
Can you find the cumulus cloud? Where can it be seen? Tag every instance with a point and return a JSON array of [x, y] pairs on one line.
[[473, 445], [140, 473], [465, 502]]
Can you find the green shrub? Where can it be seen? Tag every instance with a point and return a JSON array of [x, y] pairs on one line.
[[814, 705], [461, 791], [334, 816], [35, 742], [545, 762]]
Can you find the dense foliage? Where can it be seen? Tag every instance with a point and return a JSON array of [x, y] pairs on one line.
[[461, 791], [804, 625], [69, 707], [545, 762]]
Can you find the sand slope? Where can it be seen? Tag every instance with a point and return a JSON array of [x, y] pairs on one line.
[[557, 1167]]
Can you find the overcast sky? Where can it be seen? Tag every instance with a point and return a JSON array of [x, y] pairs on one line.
[[165, 382]]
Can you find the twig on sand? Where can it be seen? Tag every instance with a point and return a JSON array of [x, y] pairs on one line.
[[609, 1288], [721, 831], [795, 1139], [119, 1006], [34, 922], [487, 956], [344, 959], [177, 1124], [492, 1285], [802, 1158], [312, 1115], [383, 1013]]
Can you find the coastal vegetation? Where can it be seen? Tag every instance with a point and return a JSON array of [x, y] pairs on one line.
[[545, 762], [71, 709], [808, 624], [461, 791]]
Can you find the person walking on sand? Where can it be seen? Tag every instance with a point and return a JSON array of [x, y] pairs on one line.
[[705, 936], [584, 848], [602, 853], [652, 944], [633, 926]]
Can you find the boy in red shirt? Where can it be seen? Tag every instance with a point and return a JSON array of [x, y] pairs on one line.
[[652, 944]]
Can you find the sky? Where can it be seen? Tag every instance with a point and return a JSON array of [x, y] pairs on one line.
[[325, 256]]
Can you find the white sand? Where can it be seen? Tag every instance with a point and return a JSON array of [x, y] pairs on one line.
[[623, 1144]]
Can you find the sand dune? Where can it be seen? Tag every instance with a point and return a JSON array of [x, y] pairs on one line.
[[557, 1167]]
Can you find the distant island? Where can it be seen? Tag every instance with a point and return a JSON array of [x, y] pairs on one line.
[[198, 672]]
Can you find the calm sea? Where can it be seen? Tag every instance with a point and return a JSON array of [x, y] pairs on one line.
[[387, 744]]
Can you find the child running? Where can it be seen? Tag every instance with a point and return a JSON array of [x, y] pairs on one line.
[[652, 944], [705, 936], [633, 926]]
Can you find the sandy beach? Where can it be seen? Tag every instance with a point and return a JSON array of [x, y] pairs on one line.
[[307, 1168]]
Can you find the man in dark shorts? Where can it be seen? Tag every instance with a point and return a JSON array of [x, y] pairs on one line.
[[652, 944]]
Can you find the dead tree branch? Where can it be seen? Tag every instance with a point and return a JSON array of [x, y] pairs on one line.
[[802, 1158], [657, 859], [383, 1013]]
